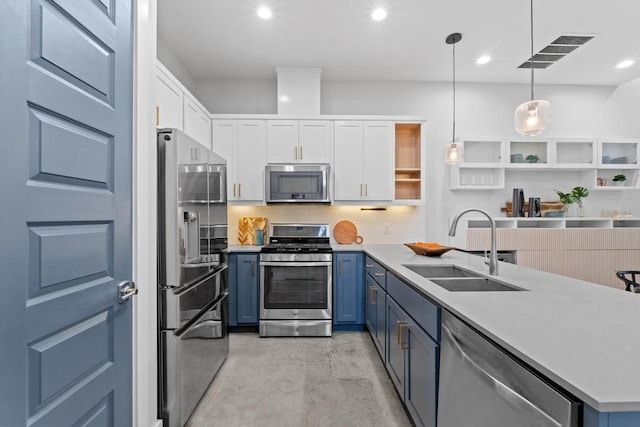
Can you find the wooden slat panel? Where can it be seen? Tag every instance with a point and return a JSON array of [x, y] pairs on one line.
[[549, 261], [479, 239], [541, 239]]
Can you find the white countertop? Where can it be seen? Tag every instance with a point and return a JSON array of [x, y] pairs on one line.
[[244, 248], [584, 337]]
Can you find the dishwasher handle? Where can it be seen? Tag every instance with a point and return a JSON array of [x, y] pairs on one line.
[[502, 389]]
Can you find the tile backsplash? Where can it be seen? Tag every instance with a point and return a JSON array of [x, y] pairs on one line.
[[396, 224]]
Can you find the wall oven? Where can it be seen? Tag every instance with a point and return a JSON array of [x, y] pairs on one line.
[[296, 282], [297, 183]]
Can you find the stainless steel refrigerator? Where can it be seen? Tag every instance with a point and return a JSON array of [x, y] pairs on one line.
[[192, 273]]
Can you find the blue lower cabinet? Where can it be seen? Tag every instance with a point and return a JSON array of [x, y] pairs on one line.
[[592, 418], [375, 314], [244, 289], [396, 321], [348, 289], [421, 374], [412, 363]]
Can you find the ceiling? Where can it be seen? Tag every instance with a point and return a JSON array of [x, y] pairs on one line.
[[226, 39]]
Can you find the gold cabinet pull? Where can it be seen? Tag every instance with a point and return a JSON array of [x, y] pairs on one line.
[[403, 326], [157, 115], [295, 151], [301, 152], [240, 190], [371, 298], [234, 189], [360, 190], [366, 190]]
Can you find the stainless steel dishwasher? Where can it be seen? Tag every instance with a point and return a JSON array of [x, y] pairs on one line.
[[482, 386]]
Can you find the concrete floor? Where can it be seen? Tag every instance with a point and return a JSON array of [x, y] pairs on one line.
[[337, 381]]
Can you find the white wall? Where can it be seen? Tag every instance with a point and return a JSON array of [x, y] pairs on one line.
[[145, 385], [173, 64], [482, 110]]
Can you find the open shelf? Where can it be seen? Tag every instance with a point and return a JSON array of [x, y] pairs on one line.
[[618, 154], [483, 152], [520, 150], [408, 172], [575, 153]]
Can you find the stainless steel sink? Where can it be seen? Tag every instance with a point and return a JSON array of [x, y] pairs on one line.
[[435, 271], [473, 284]]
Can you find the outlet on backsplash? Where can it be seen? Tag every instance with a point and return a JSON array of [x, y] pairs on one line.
[[385, 228]]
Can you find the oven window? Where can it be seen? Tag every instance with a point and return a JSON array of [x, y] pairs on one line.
[[296, 287]]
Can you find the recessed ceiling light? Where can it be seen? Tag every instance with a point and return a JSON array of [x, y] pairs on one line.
[[265, 13], [484, 59], [379, 14], [626, 63]]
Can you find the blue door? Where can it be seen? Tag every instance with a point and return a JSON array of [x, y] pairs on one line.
[[65, 215]]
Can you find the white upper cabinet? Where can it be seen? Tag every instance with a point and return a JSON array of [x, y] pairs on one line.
[[314, 141], [197, 123], [168, 101], [378, 165], [298, 141], [364, 161], [241, 143], [177, 108]]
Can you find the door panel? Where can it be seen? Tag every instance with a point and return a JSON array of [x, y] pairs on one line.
[[421, 368], [347, 161], [67, 129], [395, 353], [378, 160], [315, 141]]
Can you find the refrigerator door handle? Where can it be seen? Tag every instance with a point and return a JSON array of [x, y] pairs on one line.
[[195, 327]]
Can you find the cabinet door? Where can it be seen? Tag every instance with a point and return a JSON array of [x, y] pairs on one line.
[[421, 374], [249, 161], [224, 135], [168, 102], [282, 141], [375, 314], [347, 161], [381, 320], [247, 288], [378, 161], [396, 321], [197, 123], [348, 289], [314, 141]]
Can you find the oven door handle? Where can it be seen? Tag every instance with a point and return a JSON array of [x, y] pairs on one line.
[[295, 264]]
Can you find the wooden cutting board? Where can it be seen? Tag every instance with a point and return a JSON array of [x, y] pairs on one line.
[[345, 232]]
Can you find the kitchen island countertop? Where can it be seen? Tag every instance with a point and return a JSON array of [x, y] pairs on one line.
[[583, 336]]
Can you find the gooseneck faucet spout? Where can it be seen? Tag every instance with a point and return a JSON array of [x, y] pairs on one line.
[[493, 256]]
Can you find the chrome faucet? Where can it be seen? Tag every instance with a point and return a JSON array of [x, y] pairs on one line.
[[493, 256]]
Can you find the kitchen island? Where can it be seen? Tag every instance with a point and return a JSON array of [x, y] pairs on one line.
[[582, 336]]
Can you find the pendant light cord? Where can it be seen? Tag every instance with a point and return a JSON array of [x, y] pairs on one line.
[[454, 92], [531, 59]]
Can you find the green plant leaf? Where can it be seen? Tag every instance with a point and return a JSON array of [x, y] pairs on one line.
[[579, 193]]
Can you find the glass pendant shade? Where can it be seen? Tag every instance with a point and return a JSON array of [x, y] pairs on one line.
[[532, 117], [454, 153]]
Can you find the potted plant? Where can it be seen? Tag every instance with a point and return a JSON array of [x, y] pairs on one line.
[[578, 194], [532, 158], [566, 199], [619, 180]]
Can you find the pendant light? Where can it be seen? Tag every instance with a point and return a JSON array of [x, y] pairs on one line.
[[532, 117], [455, 150]]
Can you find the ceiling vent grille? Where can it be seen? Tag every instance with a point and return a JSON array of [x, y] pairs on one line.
[[555, 51]]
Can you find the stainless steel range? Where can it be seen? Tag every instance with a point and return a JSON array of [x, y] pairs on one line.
[[296, 281]]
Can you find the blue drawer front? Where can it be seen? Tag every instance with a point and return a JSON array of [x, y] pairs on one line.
[[423, 311], [376, 271]]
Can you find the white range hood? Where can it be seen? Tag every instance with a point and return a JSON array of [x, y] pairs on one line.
[[299, 90]]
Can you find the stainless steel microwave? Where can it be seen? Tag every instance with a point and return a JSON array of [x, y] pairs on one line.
[[297, 183]]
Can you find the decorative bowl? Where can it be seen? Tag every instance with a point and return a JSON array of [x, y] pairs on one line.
[[429, 251]]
